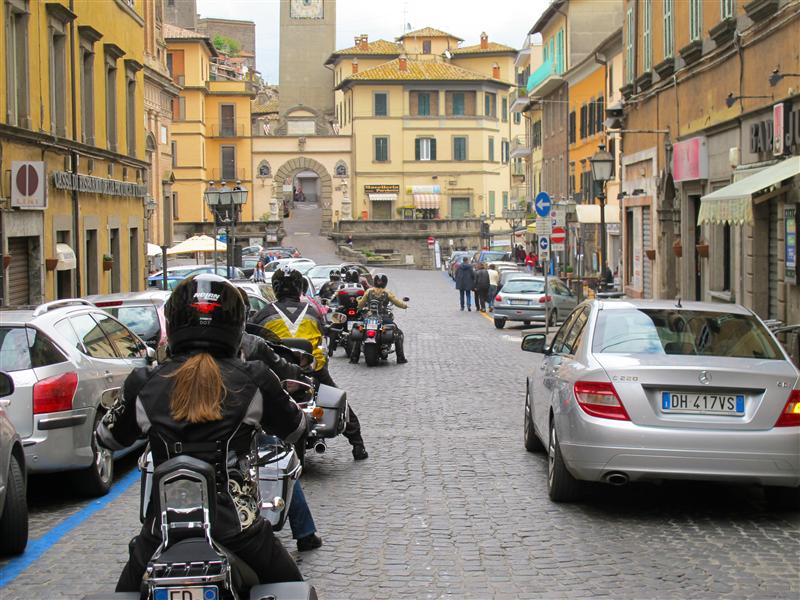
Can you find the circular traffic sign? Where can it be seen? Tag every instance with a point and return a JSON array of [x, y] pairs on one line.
[[542, 204], [558, 235], [431, 242], [544, 244]]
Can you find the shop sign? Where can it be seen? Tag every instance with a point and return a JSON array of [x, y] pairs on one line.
[[779, 135], [28, 185], [63, 180], [690, 160], [382, 188], [790, 241], [424, 189]]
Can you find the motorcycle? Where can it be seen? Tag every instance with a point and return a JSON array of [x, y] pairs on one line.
[[373, 334], [345, 303]]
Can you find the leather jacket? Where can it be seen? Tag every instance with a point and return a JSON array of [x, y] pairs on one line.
[[254, 347]]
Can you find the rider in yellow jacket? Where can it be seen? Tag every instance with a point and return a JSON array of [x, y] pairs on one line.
[[379, 292]]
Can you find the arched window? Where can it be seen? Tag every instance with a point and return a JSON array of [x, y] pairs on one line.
[[264, 169]]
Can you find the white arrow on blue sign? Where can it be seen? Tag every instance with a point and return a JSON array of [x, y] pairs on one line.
[[544, 243], [542, 204]]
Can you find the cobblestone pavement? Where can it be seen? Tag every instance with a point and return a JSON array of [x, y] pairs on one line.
[[450, 505]]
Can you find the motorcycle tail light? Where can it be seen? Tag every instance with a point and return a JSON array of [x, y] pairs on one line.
[[371, 333], [54, 393], [600, 399], [351, 312], [790, 416]]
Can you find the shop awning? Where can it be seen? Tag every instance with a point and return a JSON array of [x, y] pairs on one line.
[[590, 213], [66, 258], [382, 197], [153, 249], [733, 204], [426, 200]]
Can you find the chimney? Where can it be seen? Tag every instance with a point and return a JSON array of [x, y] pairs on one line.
[[355, 66], [484, 41], [495, 71], [363, 42], [403, 63]]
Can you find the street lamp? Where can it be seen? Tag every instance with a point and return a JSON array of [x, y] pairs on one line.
[[602, 164], [515, 217], [225, 203]]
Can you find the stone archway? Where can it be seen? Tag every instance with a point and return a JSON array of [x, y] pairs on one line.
[[295, 166]]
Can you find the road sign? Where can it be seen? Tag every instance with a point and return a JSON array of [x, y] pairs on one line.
[[431, 241], [558, 235], [543, 226], [542, 204], [544, 247]]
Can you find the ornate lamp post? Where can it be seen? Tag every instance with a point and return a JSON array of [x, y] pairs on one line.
[[225, 203], [515, 217], [602, 163]]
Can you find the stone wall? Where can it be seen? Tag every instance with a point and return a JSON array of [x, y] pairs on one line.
[[243, 32], [244, 231]]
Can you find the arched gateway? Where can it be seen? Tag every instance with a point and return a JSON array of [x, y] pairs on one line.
[[285, 176]]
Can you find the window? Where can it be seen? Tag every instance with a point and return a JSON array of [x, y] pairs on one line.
[[87, 93], [726, 9], [504, 110], [91, 338], [126, 345], [425, 149], [504, 147], [536, 134], [560, 55], [583, 121], [695, 19], [426, 46], [111, 103], [517, 118], [459, 208], [505, 200], [228, 163], [669, 36], [647, 35], [599, 113], [381, 104], [14, 355], [58, 78], [590, 118], [459, 148], [571, 128], [130, 104], [629, 56], [16, 63], [381, 149], [559, 346], [178, 108], [175, 205], [573, 338], [491, 203], [460, 103], [227, 120], [491, 149], [424, 105], [174, 148], [490, 104]]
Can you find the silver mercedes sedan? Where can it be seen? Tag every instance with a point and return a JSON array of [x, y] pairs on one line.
[[653, 390]]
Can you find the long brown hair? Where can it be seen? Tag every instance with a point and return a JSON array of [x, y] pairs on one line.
[[198, 391]]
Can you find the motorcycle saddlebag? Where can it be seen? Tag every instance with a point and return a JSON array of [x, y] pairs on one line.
[[334, 402], [292, 590]]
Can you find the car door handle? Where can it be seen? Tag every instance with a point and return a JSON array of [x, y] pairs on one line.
[[109, 375]]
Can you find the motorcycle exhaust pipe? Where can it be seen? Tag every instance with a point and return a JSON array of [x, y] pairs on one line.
[[320, 447], [617, 478]]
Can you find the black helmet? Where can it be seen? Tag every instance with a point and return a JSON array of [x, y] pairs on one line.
[[352, 276], [380, 280], [335, 275], [205, 312], [287, 282]]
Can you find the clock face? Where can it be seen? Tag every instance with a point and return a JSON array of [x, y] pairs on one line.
[[305, 9]]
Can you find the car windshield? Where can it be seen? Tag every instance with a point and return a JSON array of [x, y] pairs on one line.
[[489, 256], [524, 286], [321, 271], [302, 267], [682, 332], [143, 320]]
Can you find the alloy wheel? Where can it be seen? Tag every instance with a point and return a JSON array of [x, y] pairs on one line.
[[551, 456]]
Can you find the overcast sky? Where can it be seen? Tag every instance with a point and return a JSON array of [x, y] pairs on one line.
[[506, 21]]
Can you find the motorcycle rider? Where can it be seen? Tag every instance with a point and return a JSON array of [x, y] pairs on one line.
[[379, 292], [329, 288], [289, 317], [207, 403]]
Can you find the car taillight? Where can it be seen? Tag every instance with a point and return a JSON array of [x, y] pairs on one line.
[[545, 299], [360, 293], [600, 399], [371, 333], [498, 298], [54, 393], [107, 304], [790, 416]]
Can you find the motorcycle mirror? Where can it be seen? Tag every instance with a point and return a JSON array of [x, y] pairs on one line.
[[406, 299], [338, 318]]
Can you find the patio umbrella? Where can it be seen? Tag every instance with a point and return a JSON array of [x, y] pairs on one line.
[[153, 249], [197, 243]]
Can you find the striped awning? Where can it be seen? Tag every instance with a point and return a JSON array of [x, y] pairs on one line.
[[426, 200], [382, 197]]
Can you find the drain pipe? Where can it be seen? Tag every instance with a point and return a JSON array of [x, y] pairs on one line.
[[76, 238]]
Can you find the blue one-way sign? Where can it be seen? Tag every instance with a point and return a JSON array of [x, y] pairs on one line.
[[544, 243], [542, 204]]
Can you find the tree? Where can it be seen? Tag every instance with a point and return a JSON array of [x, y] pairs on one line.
[[226, 45]]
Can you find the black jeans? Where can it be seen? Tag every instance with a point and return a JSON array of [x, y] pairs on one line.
[[257, 546], [481, 296], [352, 431]]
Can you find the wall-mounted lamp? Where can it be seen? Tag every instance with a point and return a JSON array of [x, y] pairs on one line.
[[638, 192], [731, 99], [776, 76]]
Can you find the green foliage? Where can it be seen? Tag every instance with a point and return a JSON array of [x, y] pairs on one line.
[[226, 45]]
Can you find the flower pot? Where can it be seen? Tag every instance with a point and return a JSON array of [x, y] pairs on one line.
[[6, 260], [108, 265], [677, 248], [702, 249], [50, 264], [651, 254]]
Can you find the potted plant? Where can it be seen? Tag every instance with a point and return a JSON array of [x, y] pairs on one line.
[[677, 248], [651, 254], [50, 264], [702, 248], [108, 262]]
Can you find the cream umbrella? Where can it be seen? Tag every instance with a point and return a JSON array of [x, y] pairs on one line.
[[198, 243], [153, 249]]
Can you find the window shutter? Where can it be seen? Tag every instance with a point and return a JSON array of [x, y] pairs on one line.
[[417, 144], [600, 113], [583, 121], [590, 118], [433, 148]]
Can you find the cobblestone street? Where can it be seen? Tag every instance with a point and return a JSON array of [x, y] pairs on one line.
[[449, 503]]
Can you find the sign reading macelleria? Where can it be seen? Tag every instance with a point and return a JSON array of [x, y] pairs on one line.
[[63, 180]]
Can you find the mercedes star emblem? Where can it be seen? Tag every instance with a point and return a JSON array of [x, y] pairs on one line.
[[705, 377]]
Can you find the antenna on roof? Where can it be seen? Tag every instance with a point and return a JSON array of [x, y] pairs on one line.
[[678, 303]]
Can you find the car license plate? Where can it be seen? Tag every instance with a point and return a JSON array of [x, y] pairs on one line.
[[520, 302], [703, 404], [186, 593]]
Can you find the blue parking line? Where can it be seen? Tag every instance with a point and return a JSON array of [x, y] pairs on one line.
[[36, 548]]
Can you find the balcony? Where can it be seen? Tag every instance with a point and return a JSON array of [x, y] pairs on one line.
[[228, 174], [521, 101], [518, 196], [228, 130], [520, 146], [518, 169], [544, 80]]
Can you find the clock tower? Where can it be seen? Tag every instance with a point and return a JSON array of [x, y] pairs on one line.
[[307, 39]]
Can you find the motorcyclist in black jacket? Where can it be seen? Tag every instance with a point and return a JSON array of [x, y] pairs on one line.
[[329, 288], [207, 403]]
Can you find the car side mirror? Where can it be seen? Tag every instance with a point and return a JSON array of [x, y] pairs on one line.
[[535, 342], [406, 298], [150, 354], [6, 385]]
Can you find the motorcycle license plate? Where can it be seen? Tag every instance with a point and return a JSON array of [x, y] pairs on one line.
[[187, 593], [372, 325]]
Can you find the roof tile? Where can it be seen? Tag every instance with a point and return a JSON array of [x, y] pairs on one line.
[[476, 49], [428, 32], [418, 71], [376, 47]]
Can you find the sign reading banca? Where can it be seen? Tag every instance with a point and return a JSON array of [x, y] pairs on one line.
[[97, 185]]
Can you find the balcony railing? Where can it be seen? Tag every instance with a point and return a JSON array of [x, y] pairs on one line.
[[518, 169], [228, 130], [229, 174], [520, 146], [544, 80]]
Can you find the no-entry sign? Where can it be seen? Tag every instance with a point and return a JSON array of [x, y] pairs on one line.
[[431, 242], [558, 235]]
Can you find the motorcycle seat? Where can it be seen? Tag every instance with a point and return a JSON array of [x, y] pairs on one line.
[[189, 550], [298, 344]]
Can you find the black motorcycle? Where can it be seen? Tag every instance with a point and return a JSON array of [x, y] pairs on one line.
[[344, 307], [374, 334]]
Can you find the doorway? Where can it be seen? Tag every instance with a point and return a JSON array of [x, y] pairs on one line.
[[64, 276], [306, 187], [459, 208], [698, 234], [92, 277]]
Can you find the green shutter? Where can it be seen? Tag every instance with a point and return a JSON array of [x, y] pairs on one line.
[[433, 148], [505, 200], [416, 148], [504, 116], [491, 149], [491, 203]]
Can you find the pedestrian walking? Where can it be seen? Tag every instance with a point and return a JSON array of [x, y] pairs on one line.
[[465, 282], [494, 283], [481, 287]]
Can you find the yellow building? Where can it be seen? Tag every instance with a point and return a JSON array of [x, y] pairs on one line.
[[211, 126], [430, 125], [72, 140]]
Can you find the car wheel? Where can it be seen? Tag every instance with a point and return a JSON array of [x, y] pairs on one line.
[[499, 323], [561, 485], [532, 442], [783, 498], [14, 520], [553, 318], [97, 479]]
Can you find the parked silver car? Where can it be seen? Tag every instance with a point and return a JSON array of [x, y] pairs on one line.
[[13, 480], [652, 390], [524, 299], [68, 360], [141, 312]]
